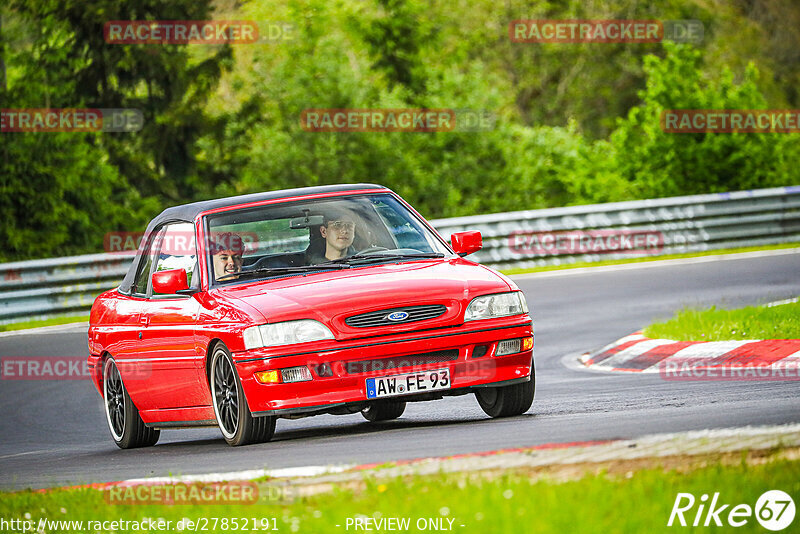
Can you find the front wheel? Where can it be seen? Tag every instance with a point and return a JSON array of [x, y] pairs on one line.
[[507, 401], [237, 424], [384, 411], [126, 425]]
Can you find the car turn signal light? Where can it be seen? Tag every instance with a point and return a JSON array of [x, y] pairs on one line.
[[527, 343], [284, 376], [268, 377]]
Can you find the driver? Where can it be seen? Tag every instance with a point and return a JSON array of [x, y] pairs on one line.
[[227, 249], [337, 231]]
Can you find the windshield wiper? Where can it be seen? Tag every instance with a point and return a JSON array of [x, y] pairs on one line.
[[295, 269], [361, 257]]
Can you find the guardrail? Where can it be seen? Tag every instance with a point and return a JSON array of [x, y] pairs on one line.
[[58, 286]]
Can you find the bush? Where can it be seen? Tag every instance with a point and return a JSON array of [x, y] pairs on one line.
[[659, 164]]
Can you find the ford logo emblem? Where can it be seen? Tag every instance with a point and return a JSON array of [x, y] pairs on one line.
[[397, 316]]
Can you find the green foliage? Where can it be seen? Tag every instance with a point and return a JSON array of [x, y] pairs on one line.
[[394, 38], [576, 123], [558, 167], [61, 192], [168, 86], [660, 164], [58, 192], [443, 174]]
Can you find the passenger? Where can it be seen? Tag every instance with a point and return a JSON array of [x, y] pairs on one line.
[[227, 249], [338, 232]]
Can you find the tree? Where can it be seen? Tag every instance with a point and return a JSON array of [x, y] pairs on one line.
[[169, 84], [58, 192], [659, 164], [63, 191]]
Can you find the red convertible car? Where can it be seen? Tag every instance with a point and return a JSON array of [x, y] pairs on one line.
[[324, 300]]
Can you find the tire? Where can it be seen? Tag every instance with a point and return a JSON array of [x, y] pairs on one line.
[[127, 428], [383, 411], [237, 424], [507, 401]]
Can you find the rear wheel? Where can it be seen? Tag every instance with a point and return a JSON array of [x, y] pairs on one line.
[[126, 426], [507, 401], [384, 410], [237, 424]]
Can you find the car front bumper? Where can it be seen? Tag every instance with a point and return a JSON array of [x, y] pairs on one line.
[[351, 363]]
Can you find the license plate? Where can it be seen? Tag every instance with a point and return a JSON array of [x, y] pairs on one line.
[[392, 386]]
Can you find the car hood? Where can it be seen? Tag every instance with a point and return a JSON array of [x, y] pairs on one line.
[[332, 296]]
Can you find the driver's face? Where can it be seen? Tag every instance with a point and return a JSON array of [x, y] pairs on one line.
[[339, 234], [227, 264]]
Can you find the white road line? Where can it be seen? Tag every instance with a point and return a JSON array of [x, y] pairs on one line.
[[619, 359], [712, 349], [286, 472], [782, 302], [55, 329], [792, 358], [701, 351], [4, 456], [649, 445], [656, 263], [620, 341]]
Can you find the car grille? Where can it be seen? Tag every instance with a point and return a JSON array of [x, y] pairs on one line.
[[399, 362], [379, 318]]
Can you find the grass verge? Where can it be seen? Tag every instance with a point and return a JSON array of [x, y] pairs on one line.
[[36, 323], [626, 500], [714, 324], [648, 258]]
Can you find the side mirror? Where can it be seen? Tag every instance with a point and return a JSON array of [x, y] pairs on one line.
[[170, 282], [466, 242]]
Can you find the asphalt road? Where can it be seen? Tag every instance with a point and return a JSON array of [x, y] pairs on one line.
[[54, 432]]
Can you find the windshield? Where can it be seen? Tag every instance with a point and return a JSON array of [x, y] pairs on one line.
[[278, 240]]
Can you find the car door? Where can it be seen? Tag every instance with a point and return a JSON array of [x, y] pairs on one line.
[[125, 344], [167, 344]]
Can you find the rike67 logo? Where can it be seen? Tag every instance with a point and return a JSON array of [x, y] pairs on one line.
[[774, 510]]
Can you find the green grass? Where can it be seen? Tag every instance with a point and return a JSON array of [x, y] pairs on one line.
[[637, 502], [714, 324], [36, 323], [648, 258]]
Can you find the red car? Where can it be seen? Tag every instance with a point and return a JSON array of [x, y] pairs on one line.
[[324, 300]]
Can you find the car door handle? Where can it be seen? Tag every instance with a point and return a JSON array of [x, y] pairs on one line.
[[144, 320]]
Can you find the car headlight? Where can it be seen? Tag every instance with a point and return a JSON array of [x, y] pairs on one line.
[[497, 305], [285, 333]]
